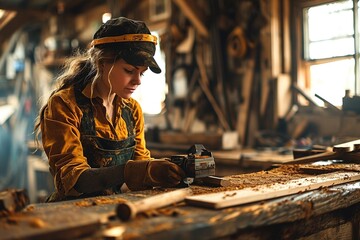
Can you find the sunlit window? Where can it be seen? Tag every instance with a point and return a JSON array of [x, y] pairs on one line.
[[151, 93], [329, 80], [329, 48]]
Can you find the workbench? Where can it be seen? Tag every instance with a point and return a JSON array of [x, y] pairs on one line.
[[233, 161], [326, 213]]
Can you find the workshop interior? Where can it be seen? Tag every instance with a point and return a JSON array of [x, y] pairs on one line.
[[258, 102]]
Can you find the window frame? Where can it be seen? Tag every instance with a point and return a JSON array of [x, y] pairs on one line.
[[302, 63]]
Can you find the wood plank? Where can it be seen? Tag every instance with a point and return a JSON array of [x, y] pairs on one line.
[[304, 94], [203, 81], [283, 95], [242, 118], [270, 191], [352, 145]]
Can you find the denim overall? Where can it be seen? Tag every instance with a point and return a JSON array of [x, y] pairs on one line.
[[102, 152]]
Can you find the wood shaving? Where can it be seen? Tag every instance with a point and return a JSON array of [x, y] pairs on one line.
[[98, 201]]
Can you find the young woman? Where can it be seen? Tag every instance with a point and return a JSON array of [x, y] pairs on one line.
[[92, 131]]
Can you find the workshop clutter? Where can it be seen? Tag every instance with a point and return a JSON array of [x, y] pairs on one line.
[[213, 71], [13, 200], [351, 103], [211, 140]]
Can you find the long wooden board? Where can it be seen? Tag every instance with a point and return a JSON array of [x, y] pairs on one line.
[[270, 191]]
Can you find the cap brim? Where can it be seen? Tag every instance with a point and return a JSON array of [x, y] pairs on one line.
[[143, 58]]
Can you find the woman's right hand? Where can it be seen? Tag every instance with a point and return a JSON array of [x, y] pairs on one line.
[[142, 174]]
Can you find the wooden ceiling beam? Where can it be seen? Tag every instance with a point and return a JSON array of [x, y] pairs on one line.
[[18, 20], [6, 18], [193, 16]]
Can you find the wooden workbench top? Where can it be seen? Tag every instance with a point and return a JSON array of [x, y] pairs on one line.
[[94, 218]]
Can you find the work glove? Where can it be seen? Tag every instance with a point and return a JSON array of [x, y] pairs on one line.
[[143, 174]]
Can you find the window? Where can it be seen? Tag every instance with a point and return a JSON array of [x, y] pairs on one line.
[[151, 93], [331, 52]]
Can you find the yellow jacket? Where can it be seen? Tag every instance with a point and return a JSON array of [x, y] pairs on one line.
[[61, 135]]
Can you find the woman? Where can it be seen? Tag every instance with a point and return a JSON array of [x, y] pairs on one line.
[[92, 130]]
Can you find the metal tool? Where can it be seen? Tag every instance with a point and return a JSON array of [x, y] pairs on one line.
[[197, 163]]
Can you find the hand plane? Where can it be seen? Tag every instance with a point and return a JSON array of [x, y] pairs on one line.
[[199, 166]]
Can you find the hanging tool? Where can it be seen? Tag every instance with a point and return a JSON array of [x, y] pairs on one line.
[[236, 43]]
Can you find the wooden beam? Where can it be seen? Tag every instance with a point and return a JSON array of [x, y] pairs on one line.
[[18, 20], [242, 118], [203, 81], [128, 6], [8, 16], [192, 16], [304, 94]]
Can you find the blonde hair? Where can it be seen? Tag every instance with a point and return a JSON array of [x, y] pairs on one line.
[[82, 69]]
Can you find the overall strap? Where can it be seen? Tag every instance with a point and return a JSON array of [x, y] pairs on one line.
[[87, 125], [129, 120]]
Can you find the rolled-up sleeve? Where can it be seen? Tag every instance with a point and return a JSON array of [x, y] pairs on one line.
[[61, 142]]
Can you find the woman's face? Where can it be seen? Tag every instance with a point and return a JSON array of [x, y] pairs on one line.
[[122, 78]]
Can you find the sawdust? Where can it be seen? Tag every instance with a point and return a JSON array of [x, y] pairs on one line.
[[98, 201], [167, 211], [29, 208], [281, 174], [313, 169]]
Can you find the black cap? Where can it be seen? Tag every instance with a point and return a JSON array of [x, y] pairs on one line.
[[137, 53]]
